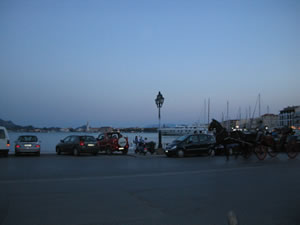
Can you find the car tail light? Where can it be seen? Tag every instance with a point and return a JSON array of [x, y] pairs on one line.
[[18, 146], [7, 143], [81, 143], [37, 146]]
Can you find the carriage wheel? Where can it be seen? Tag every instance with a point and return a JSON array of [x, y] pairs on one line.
[[292, 150], [261, 152], [247, 153], [272, 152]]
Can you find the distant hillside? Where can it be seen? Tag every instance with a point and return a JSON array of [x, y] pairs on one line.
[[11, 126], [8, 124]]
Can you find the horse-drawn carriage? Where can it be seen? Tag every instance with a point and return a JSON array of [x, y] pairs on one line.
[[241, 143]]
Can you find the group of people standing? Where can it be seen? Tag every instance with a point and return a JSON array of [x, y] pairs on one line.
[[139, 140]]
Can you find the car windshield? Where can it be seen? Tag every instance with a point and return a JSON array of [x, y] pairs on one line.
[[28, 139], [87, 138], [181, 138]]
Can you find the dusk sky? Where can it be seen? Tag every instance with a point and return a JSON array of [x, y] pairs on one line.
[[63, 63]]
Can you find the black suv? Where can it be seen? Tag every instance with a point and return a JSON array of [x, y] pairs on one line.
[[77, 144], [191, 145]]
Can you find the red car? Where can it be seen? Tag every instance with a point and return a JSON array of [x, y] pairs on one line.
[[113, 142]]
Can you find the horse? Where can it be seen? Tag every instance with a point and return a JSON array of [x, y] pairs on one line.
[[225, 138]]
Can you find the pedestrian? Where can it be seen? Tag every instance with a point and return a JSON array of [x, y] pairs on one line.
[[141, 141], [136, 140]]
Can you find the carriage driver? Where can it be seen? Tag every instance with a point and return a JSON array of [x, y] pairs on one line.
[[260, 130]]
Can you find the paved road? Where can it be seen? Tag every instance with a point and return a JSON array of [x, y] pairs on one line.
[[90, 190]]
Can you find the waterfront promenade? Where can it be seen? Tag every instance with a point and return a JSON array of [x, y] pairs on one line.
[[119, 189]]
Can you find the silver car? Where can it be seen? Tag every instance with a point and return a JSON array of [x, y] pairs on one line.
[[27, 144]]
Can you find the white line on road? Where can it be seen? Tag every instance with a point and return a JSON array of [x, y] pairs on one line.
[[157, 174]]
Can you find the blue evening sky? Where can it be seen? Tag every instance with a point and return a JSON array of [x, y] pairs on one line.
[[63, 63]]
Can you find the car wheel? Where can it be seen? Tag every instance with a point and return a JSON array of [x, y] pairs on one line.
[[16, 153], [6, 154], [180, 153], [95, 153], [125, 152], [76, 152], [38, 154], [58, 151]]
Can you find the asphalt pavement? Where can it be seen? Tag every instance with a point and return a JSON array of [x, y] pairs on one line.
[[90, 190]]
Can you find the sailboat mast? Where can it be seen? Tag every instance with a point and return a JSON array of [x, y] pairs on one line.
[[227, 115], [259, 113], [208, 111], [204, 119]]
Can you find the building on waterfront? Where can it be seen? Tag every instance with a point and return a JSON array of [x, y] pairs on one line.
[[270, 120], [231, 124], [87, 129], [290, 116]]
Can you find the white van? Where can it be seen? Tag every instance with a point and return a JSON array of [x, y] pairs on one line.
[[4, 141]]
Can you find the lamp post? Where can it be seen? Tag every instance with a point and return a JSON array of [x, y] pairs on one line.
[[159, 102]]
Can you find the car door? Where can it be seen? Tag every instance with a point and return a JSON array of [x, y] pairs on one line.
[[2, 139], [205, 143], [65, 145], [101, 141], [192, 144], [74, 140]]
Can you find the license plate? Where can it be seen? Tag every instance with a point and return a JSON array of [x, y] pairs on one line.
[[91, 145], [121, 148], [27, 145]]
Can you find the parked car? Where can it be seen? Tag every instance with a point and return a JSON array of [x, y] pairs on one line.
[[4, 141], [191, 145], [113, 142], [27, 144], [77, 144]]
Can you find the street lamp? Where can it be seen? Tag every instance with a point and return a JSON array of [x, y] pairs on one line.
[[159, 102]]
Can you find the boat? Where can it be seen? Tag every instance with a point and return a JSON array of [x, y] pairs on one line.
[[183, 130]]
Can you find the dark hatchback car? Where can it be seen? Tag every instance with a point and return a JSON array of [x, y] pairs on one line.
[[76, 145], [193, 144]]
